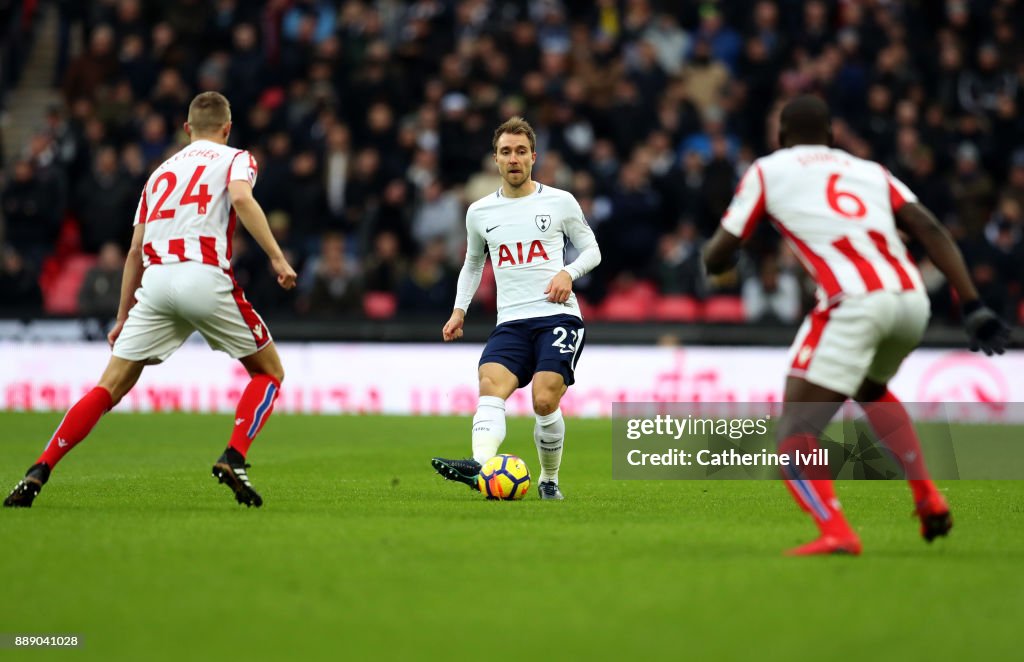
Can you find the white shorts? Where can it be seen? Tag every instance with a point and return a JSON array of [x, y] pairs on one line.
[[177, 299], [861, 337]]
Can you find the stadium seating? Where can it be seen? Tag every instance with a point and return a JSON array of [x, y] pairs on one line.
[[677, 308], [587, 309], [644, 291], [61, 298], [62, 156], [379, 305], [624, 307], [487, 293], [724, 308]]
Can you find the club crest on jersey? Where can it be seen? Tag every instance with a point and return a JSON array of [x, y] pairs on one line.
[[543, 222]]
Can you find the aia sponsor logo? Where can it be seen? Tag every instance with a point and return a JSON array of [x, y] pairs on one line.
[[517, 253]]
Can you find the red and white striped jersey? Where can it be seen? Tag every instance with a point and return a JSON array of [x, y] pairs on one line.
[[836, 211], [186, 208]]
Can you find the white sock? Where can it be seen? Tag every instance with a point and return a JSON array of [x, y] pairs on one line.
[[548, 435], [488, 427]]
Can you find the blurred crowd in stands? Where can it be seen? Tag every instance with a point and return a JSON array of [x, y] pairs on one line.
[[372, 122]]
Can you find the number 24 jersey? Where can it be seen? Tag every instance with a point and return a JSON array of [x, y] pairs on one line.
[[186, 209]]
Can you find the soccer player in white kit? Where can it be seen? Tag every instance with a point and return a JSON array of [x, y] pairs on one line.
[[840, 215], [540, 334], [177, 280]]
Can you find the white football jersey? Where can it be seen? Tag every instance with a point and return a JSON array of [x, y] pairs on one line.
[[186, 208], [526, 239], [836, 211]]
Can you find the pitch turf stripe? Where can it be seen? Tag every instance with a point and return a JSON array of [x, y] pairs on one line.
[[261, 411]]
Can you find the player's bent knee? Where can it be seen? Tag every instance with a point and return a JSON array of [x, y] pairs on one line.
[[497, 382], [545, 403], [490, 386]]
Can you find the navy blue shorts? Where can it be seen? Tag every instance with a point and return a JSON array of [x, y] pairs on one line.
[[553, 343]]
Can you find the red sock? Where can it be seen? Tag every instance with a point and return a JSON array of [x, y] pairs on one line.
[[812, 488], [77, 424], [896, 432], [253, 409]]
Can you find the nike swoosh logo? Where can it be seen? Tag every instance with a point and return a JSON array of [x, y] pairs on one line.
[[489, 229]]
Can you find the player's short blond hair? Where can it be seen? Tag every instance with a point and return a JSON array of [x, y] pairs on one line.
[[518, 126], [208, 112]]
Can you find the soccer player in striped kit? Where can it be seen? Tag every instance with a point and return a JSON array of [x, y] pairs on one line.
[[177, 280], [841, 216]]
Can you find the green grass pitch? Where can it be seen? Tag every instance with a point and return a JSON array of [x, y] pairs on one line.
[[362, 552]]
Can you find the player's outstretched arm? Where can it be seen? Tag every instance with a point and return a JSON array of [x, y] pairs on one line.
[[746, 210], [469, 280], [131, 279], [985, 330], [720, 252], [916, 220], [255, 221]]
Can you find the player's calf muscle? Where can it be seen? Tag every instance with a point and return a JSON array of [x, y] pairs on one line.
[[119, 377], [265, 362]]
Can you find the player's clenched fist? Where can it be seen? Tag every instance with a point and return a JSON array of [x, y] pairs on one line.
[[560, 287], [115, 332], [285, 274], [453, 327]]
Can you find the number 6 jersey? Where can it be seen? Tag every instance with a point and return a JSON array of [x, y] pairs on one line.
[[185, 206], [836, 213]]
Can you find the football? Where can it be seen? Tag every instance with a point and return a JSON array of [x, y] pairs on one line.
[[504, 477]]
